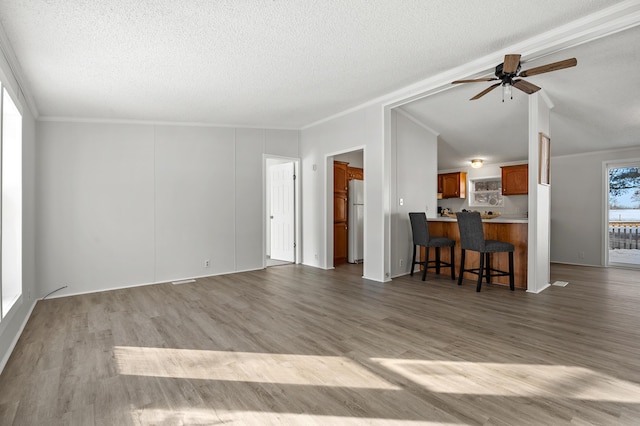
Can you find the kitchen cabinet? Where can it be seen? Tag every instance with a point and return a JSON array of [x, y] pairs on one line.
[[340, 176], [453, 185], [515, 180], [340, 243], [355, 173], [340, 207]]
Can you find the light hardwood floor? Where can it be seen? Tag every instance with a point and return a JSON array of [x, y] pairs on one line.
[[298, 345]]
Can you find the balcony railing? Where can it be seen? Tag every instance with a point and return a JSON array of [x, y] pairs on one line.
[[624, 235]]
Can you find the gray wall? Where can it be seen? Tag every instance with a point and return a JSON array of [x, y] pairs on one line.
[[130, 204]]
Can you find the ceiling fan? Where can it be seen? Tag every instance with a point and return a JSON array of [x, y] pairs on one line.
[[508, 73]]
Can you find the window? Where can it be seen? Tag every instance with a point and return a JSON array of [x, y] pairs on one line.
[[11, 201], [486, 192]]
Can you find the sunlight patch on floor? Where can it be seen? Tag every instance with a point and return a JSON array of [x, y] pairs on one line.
[[260, 418], [515, 380], [247, 367]]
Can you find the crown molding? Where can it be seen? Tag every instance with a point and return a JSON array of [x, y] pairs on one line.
[[47, 118]]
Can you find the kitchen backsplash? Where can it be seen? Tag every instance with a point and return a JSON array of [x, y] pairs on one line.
[[514, 205]]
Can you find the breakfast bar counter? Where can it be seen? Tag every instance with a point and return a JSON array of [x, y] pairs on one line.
[[513, 230]]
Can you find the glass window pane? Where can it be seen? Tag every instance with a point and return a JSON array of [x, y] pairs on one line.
[[11, 203]]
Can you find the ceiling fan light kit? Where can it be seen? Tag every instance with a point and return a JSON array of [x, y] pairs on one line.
[[509, 75]]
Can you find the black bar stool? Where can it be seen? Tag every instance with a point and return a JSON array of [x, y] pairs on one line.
[[472, 238], [421, 237]]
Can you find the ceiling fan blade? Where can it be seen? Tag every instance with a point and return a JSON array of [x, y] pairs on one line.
[[511, 63], [526, 87], [476, 80], [485, 91], [567, 63]]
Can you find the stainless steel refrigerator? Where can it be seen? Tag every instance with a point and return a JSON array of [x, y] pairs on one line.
[[355, 253]]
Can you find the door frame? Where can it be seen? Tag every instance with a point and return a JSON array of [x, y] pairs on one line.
[[297, 253], [606, 165]]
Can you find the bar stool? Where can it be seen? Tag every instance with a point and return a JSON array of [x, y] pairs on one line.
[[472, 238], [421, 237]]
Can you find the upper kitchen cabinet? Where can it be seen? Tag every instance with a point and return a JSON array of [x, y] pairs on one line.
[[356, 173], [515, 180], [453, 185]]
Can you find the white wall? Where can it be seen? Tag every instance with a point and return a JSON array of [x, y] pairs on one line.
[[129, 204], [577, 199], [414, 175], [348, 132]]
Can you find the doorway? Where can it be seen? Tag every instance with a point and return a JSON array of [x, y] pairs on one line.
[[281, 211], [348, 208], [622, 221]]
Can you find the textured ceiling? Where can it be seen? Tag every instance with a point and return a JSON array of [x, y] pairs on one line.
[[271, 63]]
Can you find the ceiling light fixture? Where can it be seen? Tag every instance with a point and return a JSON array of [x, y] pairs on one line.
[[506, 91], [476, 163]]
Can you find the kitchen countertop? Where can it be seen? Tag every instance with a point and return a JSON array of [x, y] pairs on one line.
[[499, 219]]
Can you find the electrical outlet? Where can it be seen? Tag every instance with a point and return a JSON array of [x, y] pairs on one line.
[[401, 263], [316, 256], [581, 255], [207, 263]]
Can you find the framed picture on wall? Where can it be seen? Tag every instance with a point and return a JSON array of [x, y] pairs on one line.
[[543, 160]]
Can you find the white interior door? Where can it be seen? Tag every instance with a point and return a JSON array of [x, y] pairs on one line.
[[282, 212]]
